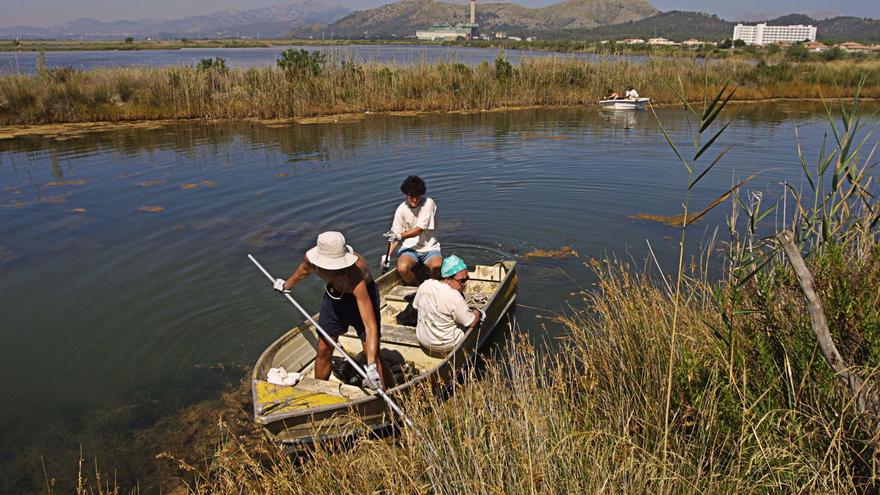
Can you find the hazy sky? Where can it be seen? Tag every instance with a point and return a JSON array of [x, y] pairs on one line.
[[51, 12]]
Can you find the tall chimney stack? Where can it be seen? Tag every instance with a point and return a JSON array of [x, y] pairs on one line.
[[473, 11]]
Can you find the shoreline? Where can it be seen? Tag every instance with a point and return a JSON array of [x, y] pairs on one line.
[[70, 130]]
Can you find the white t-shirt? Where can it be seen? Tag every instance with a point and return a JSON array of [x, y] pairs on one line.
[[632, 94], [443, 314], [421, 216]]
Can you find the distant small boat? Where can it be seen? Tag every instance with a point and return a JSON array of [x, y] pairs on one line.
[[625, 104]]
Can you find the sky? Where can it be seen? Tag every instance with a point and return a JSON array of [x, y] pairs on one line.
[[54, 12]]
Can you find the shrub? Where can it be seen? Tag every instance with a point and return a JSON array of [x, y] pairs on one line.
[[302, 62], [216, 64], [797, 52], [503, 68]]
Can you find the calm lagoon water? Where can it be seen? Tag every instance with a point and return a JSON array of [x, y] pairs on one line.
[[26, 62], [107, 307]]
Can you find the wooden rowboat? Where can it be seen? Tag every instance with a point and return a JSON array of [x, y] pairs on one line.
[[315, 410]]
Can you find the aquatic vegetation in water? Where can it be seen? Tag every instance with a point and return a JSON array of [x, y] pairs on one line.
[[672, 221], [58, 199], [289, 237], [563, 252], [152, 209], [13, 190], [151, 183], [15, 204], [60, 183], [189, 186]]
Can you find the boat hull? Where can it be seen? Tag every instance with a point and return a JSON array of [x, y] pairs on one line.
[[639, 104], [331, 410]]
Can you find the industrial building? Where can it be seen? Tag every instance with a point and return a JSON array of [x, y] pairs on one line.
[[444, 32], [762, 34]]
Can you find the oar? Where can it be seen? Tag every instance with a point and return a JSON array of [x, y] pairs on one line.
[[348, 358]]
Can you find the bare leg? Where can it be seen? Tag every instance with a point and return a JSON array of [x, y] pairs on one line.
[[434, 265], [322, 361], [405, 265]]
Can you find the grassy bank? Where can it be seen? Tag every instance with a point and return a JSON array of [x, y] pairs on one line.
[[312, 87]]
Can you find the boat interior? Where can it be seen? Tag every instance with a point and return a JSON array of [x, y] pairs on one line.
[[398, 343]]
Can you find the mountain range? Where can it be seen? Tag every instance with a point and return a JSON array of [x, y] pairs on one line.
[[568, 19], [679, 26], [402, 19], [269, 22]]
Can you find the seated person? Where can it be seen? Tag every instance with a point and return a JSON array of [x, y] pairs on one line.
[[413, 230], [632, 94], [444, 316], [611, 95]]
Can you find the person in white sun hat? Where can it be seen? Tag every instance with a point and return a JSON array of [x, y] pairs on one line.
[[350, 299]]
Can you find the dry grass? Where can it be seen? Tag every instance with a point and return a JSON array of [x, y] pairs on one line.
[[341, 87], [591, 419]]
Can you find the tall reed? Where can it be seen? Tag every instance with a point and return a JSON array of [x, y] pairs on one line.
[[345, 86]]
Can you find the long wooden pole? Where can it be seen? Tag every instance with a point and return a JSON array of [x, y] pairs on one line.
[[865, 398], [336, 345]]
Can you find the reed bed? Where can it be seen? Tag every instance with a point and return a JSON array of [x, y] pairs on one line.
[[590, 419], [341, 86]]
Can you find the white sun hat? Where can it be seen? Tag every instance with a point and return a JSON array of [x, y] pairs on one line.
[[331, 253]]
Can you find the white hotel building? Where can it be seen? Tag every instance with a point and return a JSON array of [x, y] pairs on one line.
[[763, 34]]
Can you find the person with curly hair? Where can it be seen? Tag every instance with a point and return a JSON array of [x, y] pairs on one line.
[[413, 231]]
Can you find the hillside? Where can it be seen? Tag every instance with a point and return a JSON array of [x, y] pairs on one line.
[[674, 25], [262, 22], [402, 19], [679, 26]]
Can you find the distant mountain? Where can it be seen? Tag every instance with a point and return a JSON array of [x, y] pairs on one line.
[[269, 22], [679, 26], [402, 19], [674, 25]]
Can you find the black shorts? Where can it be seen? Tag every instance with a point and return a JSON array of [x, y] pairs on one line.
[[337, 315]]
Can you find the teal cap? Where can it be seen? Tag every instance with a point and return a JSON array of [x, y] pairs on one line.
[[452, 265]]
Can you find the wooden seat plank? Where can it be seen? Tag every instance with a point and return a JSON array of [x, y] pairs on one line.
[[400, 293], [393, 334]]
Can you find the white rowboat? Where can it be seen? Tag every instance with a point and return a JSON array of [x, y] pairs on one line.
[[625, 104]]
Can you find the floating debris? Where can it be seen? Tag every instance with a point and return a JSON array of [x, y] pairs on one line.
[[209, 183], [189, 186], [77, 210], [282, 174], [60, 183], [152, 209], [673, 221], [560, 138], [563, 252], [151, 183], [13, 190]]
